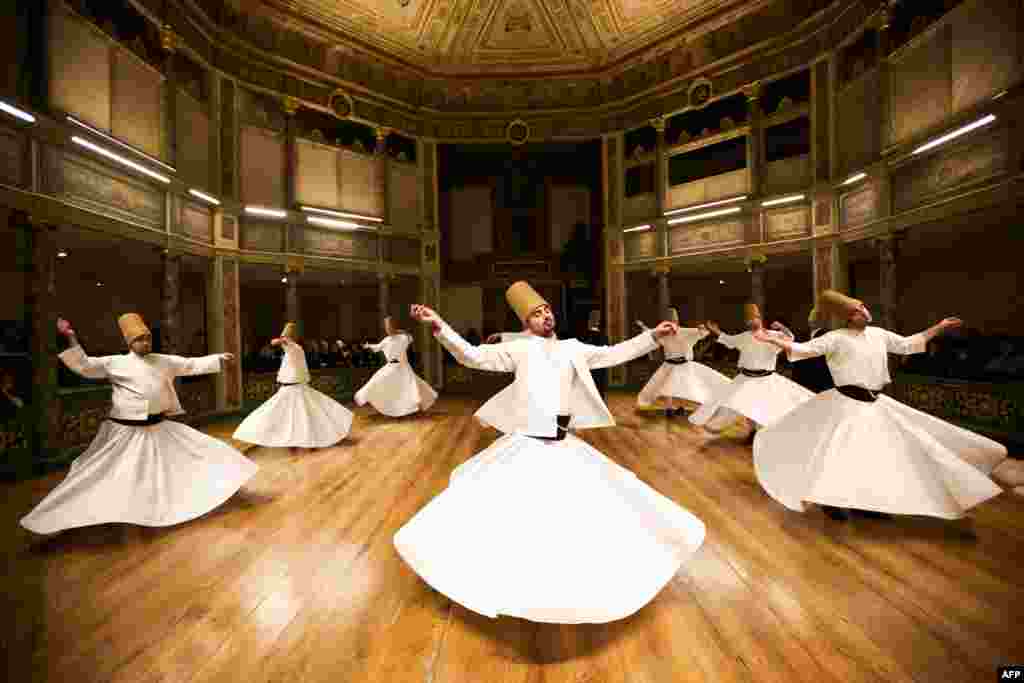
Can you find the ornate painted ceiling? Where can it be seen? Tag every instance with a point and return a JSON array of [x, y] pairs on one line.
[[492, 37]]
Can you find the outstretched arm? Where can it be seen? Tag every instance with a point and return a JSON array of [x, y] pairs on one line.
[[203, 365], [918, 343], [623, 352], [75, 357], [492, 357], [795, 351]]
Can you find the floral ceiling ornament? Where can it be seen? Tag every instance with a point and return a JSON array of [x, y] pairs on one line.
[[699, 93], [517, 132], [341, 104]]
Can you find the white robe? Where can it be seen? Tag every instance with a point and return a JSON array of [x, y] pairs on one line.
[[155, 475], [395, 390], [690, 381], [550, 531], [765, 400], [297, 415], [883, 456]]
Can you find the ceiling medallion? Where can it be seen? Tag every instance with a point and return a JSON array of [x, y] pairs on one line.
[[341, 104], [699, 93], [518, 132]]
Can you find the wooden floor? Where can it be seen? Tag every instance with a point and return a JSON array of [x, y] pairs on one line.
[[296, 580]]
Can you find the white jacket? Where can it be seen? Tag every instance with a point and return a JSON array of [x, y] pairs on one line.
[[143, 385], [519, 407]]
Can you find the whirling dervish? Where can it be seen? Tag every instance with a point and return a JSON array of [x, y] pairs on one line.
[[395, 390], [540, 525], [757, 393], [854, 447], [297, 415], [141, 468], [679, 375]]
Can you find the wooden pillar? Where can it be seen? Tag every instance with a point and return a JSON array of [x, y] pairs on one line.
[[613, 189], [430, 259], [291, 299], [883, 44], [757, 285], [39, 268], [888, 253], [755, 139], [291, 107], [830, 269], [223, 325], [228, 171], [384, 172], [169, 43], [664, 297], [660, 186], [699, 308], [821, 104], [170, 309], [383, 296]]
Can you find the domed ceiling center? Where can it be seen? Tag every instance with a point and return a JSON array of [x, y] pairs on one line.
[[489, 37]]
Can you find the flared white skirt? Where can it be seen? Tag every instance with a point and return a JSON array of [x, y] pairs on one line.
[[689, 381], [765, 400], [158, 475], [548, 531], [296, 416], [395, 390], [883, 456]]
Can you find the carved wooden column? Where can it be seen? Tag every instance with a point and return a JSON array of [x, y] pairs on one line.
[[830, 269], [821, 105], [888, 253], [384, 171], [699, 308], [613, 190], [228, 172], [170, 303], [383, 295], [660, 185], [39, 266], [430, 259], [755, 140], [756, 268], [883, 19], [223, 325], [291, 299], [664, 297], [291, 106], [833, 90], [169, 43]]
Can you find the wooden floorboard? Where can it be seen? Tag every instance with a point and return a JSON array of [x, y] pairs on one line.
[[296, 579]]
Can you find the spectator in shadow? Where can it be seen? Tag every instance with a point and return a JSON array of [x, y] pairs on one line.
[[10, 402]]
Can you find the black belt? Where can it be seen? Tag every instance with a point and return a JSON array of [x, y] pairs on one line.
[[394, 361], [675, 361], [756, 373], [151, 420], [563, 428], [859, 393], [289, 384]]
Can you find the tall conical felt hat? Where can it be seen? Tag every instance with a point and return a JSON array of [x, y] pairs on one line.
[[291, 330], [751, 311], [673, 315], [595, 319], [833, 303], [524, 300], [132, 326]]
